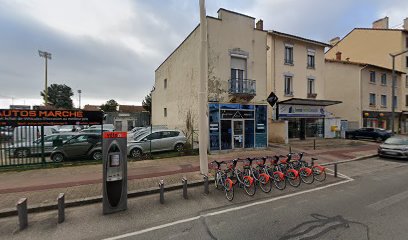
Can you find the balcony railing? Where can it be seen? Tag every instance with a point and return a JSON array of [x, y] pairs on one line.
[[242, 86]]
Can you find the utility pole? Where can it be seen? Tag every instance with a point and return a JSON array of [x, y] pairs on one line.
[[202, 92], [394, 79], [46, 56], [79, 98]]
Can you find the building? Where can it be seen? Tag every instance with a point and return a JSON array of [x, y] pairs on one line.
[[374, 46], [365, 90], [128, 117], [237, 88], [295, 73]]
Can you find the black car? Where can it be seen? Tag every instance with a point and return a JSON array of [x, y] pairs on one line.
[[84, 145], [377, 134]]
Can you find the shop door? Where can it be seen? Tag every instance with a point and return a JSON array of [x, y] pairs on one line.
[[302, 133], [238, 133]]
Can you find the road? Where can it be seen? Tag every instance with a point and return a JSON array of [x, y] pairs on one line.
[[371, 204]]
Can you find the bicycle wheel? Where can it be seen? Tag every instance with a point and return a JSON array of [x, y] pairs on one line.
[[306, 175], [278, 181], [249, 186], [293, 180], [229, 190], [217, 181], [319, 173], [265, 183]]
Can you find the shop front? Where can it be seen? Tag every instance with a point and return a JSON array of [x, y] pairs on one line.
[[378, 119], [237, 126], [306, 117]]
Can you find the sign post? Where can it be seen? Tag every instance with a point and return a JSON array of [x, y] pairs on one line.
[[114, 172]]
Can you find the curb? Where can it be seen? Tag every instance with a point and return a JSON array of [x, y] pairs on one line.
[[350, 160], [91, 200]]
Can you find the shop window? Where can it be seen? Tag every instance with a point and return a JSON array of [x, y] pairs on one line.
[[372, 76], [288, 86], [406, 81], [383, 79], [383, 100], [311, 58], [214, 119], [289, 54], [226, 134], [372, 100], [249, 134]]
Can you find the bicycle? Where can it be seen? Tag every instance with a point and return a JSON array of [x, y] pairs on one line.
[[275, 173], [305, 172], [291, 174], [319, 172], [260, 176], [222, 179], [243, 178]]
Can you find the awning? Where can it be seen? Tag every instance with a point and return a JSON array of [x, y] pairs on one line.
[[310, 102]]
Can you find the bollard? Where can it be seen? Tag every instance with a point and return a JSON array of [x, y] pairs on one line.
[[290, 149], [184, 181], [206, 190], [314, 144], [22, 213], [161, 185], [61, 207], [335, 170]]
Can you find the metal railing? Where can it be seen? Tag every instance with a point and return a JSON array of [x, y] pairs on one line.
[[242, 86]]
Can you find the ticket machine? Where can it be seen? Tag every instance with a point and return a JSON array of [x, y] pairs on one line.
[[114, 172]]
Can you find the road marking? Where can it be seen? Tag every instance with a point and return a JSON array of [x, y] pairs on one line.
[[389, 201], [348, 179]]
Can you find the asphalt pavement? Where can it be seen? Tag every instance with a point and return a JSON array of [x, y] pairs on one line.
[[371, 204]]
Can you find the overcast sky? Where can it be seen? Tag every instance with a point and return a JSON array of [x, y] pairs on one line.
[[110, 48]]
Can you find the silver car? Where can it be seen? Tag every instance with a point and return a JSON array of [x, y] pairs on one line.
[[25, 149], [159, 140], [396, 147]]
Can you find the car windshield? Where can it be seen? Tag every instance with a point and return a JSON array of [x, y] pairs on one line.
[[66, 127], [397, 141]]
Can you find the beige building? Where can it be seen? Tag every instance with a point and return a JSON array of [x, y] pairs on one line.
[[295, 73], [374, 46], [237, 88], [365, 90]]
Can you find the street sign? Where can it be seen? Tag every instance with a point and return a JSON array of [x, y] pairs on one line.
[[272, 99]]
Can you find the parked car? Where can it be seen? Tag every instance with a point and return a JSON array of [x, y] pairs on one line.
[[377, 134], [69, 128], [31, 133], [396, 146], [94, 130], [81, 146], [107, 127], [142, 130], [28, 148], [161, 140]]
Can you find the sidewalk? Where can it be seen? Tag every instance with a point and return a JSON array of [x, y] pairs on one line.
[[42, 186]]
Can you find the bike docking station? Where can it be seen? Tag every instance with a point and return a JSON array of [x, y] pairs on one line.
[[114, 172]]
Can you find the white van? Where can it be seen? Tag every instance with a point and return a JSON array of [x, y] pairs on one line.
[[31, 133]]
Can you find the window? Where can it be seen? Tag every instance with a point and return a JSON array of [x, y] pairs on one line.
[[406, 42], [406, 100], [310, 86], [406, 81], [153, 136], [372, 99], [288, 86], [165, 83], [372, 77], [383, 100], [406, 61], [395, 101], [165, 112], [310, 58], [288, 54], [383, 79]]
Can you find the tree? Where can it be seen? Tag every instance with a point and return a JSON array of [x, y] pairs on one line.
[[147, 102], [59, 96], [110, 106]]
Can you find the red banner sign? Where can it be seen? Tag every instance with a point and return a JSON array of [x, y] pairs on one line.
[[115, 135]]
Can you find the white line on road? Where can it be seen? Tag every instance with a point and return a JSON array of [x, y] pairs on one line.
[[348, 179]]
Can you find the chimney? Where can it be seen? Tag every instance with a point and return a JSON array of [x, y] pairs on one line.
[[406, 23], [338, 56], [334, 41], [381, 23], [259, 24]]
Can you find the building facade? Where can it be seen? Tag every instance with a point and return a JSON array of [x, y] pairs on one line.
[[374, 46], [295, 73], [365, 92], [237, 88]]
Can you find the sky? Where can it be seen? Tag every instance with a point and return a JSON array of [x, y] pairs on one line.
[[110, 49]]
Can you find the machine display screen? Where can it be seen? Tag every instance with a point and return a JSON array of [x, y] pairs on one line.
[[114, 160]]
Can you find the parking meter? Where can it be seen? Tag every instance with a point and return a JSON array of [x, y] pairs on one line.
[[114, 172]]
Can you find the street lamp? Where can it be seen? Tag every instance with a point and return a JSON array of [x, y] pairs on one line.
[[46, 56], [79, 98], [393, 88]]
